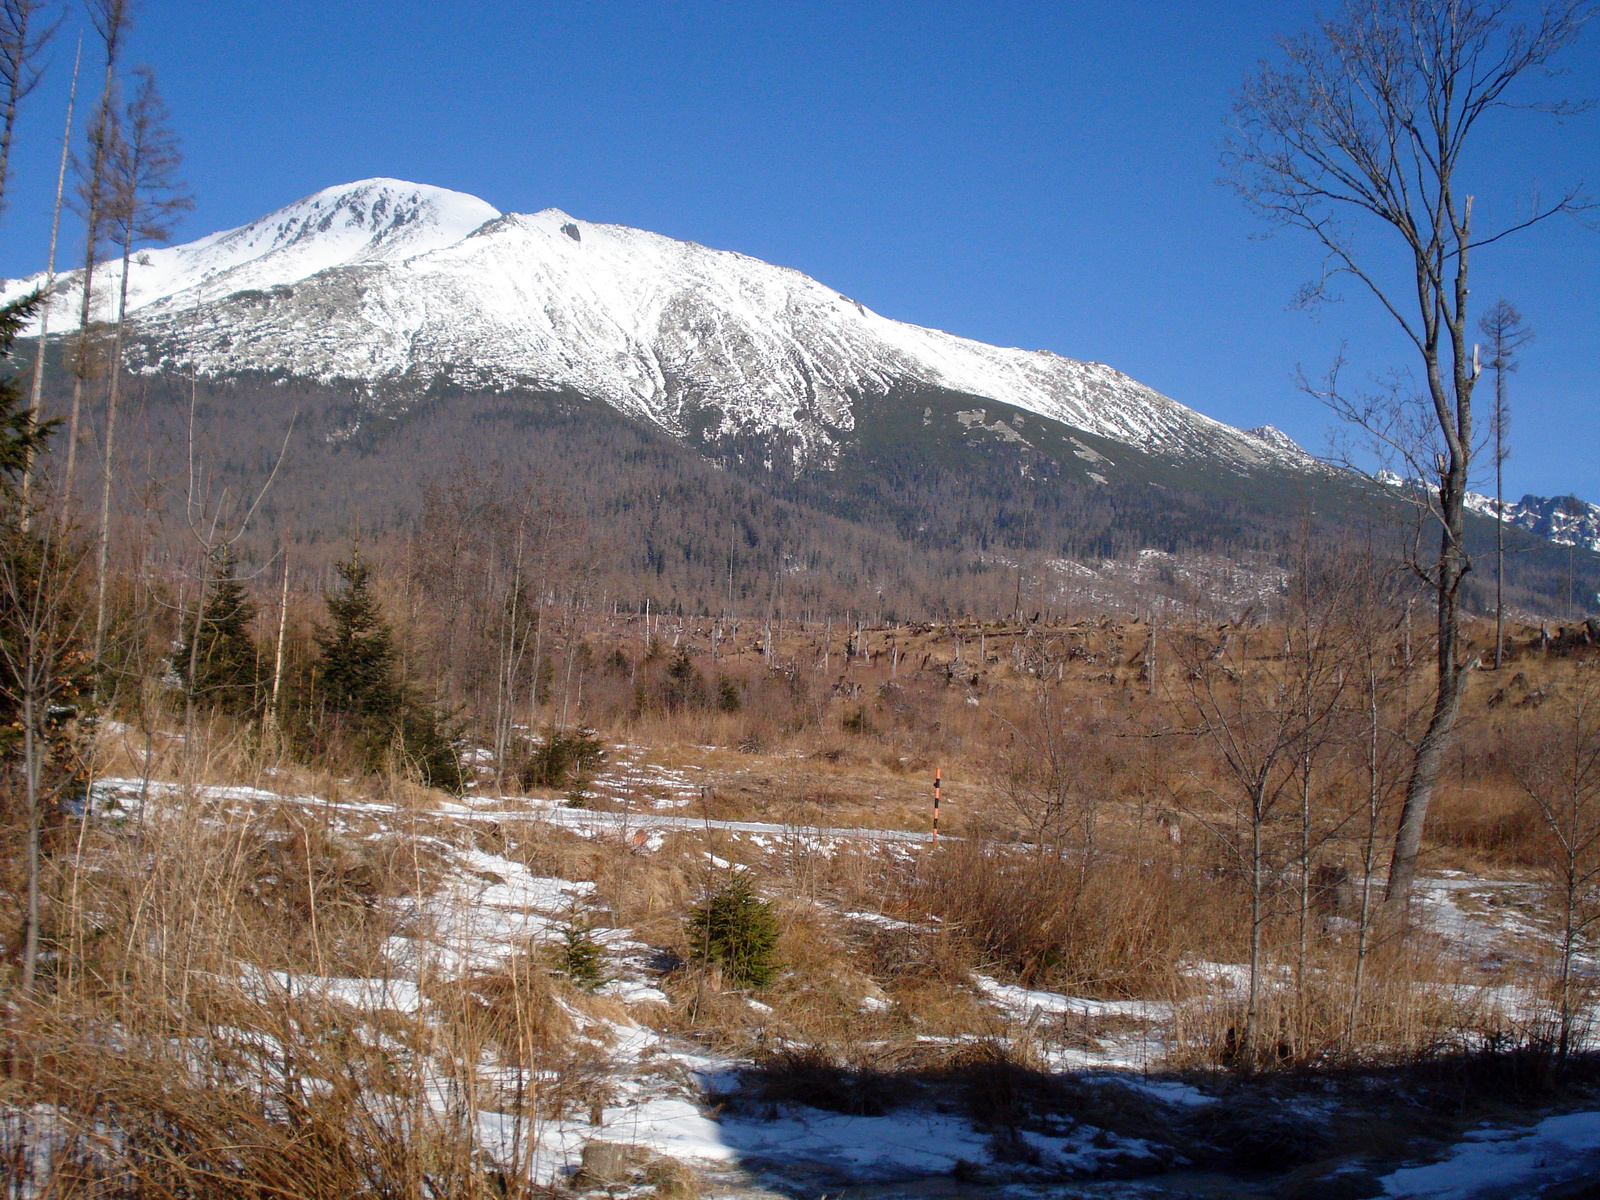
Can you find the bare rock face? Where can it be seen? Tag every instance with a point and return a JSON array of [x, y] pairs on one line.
[[1565, 520]]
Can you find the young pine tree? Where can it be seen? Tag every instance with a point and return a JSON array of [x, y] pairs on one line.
[[217, 660], [356, 675], [356, 681], [22, 435], [738, 931]]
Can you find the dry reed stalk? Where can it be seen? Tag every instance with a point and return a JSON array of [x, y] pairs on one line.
[[1416, 1003]]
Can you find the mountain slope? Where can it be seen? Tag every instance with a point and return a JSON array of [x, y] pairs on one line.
[[677, 400], [394, 289]]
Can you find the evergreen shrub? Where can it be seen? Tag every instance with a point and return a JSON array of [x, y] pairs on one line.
[[217, 659], [580, 959], [738, 931], [357, 685], [563, 758]]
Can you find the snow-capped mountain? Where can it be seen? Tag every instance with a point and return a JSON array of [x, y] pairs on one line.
[[1276, 437], [378, 220], [1564, 520], [391, 288]]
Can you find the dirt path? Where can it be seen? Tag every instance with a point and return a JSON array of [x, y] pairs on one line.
[[584, 818]]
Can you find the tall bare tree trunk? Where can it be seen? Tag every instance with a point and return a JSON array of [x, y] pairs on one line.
[[112, 391], [30, 754], [1247, 1042], [1435, 743], [1503, 326], [1369, 849], [277, 657], [1499, 538], [194, 648], [111, 19], [36, 392]]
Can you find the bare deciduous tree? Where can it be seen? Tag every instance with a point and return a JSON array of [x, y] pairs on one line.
[[1504, 328], [1369, 122], [1560, 772], [37, 393], [1045, 774], [1374, 740], [112, 20], [1263, 717], [23, 37], [145, 198]]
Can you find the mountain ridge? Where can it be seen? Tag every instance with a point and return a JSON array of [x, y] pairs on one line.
[[1561, 520], [695, 340]]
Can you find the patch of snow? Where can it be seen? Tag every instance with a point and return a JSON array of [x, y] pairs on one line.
[[878, 919], [1022, 1003], [1487, 1162], [1168, 1091], [631, 991], [1232, 977]]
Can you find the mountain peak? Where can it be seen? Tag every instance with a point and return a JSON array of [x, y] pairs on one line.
[[368, 221], [1278, 440]]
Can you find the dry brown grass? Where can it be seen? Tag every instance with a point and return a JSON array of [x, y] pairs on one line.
[[1415, 1003], [1090, 925], [184, 1044], [168, 1051]]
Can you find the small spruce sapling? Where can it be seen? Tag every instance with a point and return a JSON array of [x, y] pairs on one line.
[[357, 676], [581, 959], [738, 931], [564, 758], [219, 646], [357, 669]]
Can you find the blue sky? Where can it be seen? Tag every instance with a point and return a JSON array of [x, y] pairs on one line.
[[1038, 175]]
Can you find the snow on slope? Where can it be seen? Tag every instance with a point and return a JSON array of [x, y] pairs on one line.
[[393, 286], [377, 220]]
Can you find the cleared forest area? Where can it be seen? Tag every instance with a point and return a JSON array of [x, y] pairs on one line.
[[679, 923]]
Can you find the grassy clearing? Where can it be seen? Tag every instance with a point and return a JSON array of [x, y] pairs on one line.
[[362, 992]]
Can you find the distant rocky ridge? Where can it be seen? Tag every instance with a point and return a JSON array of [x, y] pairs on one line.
[[1564, 520]]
